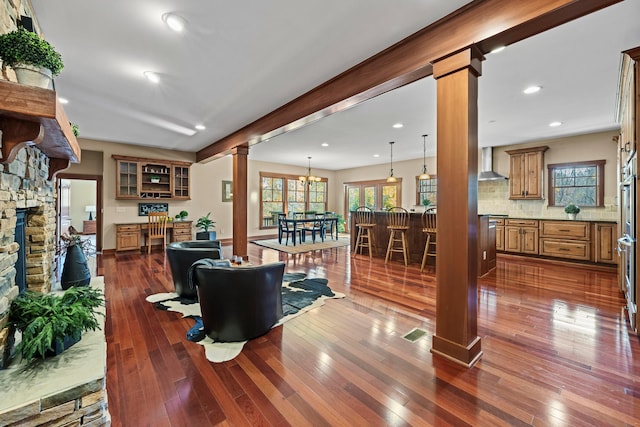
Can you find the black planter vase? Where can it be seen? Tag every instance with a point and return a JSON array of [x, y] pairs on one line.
[[206, 235], [75, 271]]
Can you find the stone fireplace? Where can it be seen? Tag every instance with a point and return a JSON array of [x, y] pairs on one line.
[[24, 185]]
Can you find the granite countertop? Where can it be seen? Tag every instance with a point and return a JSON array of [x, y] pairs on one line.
[[505, 216]]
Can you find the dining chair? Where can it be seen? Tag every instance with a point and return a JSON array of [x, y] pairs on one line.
[[364, 225], [397, 224], [317, 226], [429, 228], [330, 224], [284, 228], [157, 229]]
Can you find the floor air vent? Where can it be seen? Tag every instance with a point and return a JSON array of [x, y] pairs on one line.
[[415, 335]]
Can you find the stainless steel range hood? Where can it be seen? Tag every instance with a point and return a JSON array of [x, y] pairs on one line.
[[487, 173]]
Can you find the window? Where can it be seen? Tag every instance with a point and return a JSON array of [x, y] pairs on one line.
[[377, 195], [427, 189], [285, 193], [581, 183]]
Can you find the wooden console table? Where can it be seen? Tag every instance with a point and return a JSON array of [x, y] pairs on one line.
[[129, 236], [89, 227]]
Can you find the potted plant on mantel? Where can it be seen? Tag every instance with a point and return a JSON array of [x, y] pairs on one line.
[[572, 210], [204, 223], [51, 323], [32, 58]]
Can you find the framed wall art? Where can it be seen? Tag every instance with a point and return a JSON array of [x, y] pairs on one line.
[[227, 191]]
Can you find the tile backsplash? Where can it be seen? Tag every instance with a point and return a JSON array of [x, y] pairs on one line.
[[493, 198]]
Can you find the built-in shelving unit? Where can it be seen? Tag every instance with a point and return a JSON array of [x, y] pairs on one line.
[[138, 178]]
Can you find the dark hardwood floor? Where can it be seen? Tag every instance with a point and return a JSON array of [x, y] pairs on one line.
[[557, 351]]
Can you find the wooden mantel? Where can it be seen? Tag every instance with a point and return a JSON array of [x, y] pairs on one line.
[[33, 116]]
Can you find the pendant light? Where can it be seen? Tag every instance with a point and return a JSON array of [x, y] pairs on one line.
[[424, 174], [391, 177], [308, 178]]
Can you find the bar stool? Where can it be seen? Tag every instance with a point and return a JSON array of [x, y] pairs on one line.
[[364, 224], [428, 227], [397, 223]]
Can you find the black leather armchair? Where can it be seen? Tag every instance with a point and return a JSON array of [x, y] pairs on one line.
[[239, 303], [182, 254]]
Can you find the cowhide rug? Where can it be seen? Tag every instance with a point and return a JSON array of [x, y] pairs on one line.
[[299, 295]]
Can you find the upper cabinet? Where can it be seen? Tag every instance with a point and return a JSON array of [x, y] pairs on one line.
[[138, 178], [628, 100], [526, 176]]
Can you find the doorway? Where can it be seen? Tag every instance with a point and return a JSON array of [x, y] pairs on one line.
[[80, 206]]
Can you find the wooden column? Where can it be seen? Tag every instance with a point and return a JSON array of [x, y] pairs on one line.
[[457, 261], [240, 156]]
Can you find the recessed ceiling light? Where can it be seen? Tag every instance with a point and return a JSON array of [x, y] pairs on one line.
[[398, 125], [324, 144], [151, 76], [532, 89], [173, 21], [200, 127], [497, 49], [376, 155], [63, 100], [554, 124]]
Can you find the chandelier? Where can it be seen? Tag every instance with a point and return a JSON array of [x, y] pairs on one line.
[[391, 177], [308, 178], [424, 174]]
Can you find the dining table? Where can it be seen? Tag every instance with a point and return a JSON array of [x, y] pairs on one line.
[[295, 222]]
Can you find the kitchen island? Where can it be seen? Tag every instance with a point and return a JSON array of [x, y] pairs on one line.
[[416, 240]]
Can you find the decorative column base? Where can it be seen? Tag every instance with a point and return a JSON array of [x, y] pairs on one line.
[[465, 356]]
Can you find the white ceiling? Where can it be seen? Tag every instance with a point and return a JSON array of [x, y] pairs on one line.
[[238, 61]]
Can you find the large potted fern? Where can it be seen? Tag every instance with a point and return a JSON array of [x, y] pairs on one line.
[[52, 322]]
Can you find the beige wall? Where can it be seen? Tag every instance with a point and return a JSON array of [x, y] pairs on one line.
[[206, 183], [83, 193], [493, 195]]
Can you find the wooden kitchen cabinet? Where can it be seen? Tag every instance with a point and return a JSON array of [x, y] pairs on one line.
[[605, 243], [628, 100], [127, 237], [526, 175], [151, 179], [499, 233], [521, 236], [566, 239]]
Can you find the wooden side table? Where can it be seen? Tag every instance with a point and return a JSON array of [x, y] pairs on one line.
[[89, 227]]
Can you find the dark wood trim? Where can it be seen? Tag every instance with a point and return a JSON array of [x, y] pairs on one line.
[[488, 24], [527, 150], [240, 170]]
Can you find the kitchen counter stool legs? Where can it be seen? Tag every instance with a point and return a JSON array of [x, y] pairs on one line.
[[398, 224], [428, 227], [364, 224]]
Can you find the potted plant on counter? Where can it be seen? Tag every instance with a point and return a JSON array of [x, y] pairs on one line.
[[572, 210], [182, 215], [204, 223], [50, 323], [32, 58]]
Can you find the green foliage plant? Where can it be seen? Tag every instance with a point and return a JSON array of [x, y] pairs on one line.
[[182, 215], [204, 222], [24, 47], [572, 209], [426, 202], [45, 319]]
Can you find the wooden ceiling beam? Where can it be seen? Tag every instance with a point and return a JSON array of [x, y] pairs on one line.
[[485, 23]]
